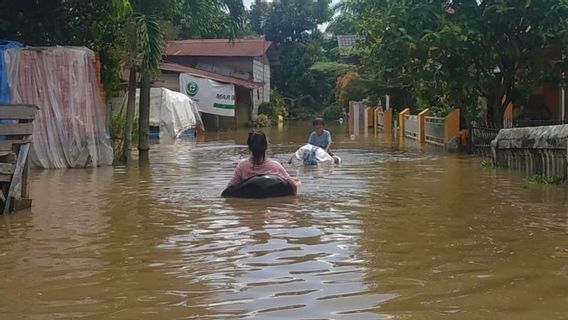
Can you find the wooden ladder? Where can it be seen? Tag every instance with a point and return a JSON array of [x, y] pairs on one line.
[[16, 135]]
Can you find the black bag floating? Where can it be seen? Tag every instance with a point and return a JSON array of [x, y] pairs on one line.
[[260, 187]]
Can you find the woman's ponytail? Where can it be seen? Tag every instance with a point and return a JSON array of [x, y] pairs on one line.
[[257, 144]]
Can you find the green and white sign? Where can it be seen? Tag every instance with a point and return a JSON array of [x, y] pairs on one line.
[[211, 96]]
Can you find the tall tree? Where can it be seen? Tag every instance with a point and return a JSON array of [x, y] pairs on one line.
[[94, 24], [292, 26], [527, 41], [210, 18], [449, 51]]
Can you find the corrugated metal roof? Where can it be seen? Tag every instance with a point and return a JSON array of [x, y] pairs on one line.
[[174, 67], [218, 47]]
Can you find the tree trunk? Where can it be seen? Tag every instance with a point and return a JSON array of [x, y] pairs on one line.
[[144, 116], [495, 105], [130, 112]]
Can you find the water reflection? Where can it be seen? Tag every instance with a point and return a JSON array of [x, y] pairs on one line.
[[403, 233]]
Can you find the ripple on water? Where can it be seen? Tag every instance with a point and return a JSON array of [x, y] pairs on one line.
[[403, 234]]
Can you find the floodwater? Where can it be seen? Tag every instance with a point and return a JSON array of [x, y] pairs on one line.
[[395, 232]]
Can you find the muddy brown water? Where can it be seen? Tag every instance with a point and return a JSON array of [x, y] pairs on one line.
[[395, 232]]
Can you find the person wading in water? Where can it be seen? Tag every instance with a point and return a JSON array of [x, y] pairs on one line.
[[257, 164]]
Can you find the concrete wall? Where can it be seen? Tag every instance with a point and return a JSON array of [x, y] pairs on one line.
[[534, 150]]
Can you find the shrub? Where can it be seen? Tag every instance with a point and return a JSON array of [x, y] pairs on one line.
[[350, 87], [263, 121], [542, 179], [268, 109], [276, 107], [116, 132], [333, 112]]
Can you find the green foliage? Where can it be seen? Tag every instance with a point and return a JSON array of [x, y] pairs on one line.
[[325, 75], [438, 107], [342, 24], [292, 26], [288, 21], [263, 121], [350, 87], [209, 18], [540, 179], [487, 164], [331, 69], [100, 26], [272, 110], [117, 128], [149, 42], [333, 112], [116, 131], [449, 49], [94, 24], [275, 108], [440, 110]]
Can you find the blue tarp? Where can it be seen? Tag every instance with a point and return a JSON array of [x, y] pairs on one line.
[[4, 88]]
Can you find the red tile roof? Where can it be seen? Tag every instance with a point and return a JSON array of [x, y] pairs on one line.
[[218, 47], [174, 67]]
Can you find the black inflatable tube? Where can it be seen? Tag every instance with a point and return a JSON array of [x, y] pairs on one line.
[[258, 187]]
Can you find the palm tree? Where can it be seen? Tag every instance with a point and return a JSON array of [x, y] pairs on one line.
[[145, 43], [150, 45]]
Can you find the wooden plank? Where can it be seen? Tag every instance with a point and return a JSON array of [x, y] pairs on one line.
[[16, 129], [5, 177], [17, 177], [7, 145], [18, 112], [24, 192], [8, 157], [21, 204], [7, 168]]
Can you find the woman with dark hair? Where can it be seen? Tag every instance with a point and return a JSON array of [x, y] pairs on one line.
[[258, 164]]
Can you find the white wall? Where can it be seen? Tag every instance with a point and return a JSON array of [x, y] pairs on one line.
[[261, 73]]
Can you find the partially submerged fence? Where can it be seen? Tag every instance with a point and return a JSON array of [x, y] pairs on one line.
[[363, 118], [533, 150], [480, 139], [428, 129], [411, 127], [383, 120], [434, 130], [357, 117], [441, 131]]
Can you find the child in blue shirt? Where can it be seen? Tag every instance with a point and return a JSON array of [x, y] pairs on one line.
[[320, 137]]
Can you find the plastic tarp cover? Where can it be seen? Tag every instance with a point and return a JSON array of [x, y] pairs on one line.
[[4, 88], [70, 128], [173, 112], [313, 155]]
